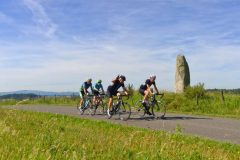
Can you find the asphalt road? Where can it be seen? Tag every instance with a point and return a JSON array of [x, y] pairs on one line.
[[221, 129]]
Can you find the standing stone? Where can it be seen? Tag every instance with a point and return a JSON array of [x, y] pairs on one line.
[[182, 76]]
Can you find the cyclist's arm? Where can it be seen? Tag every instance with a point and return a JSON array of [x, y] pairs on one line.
[[102, 90], [125, 90], [114, 80], [155, 87], [149, 88], [91, 89], [84, 89], [95, 88]]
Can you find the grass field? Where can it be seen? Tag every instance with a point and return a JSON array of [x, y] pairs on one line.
[[29, 135], [211, 104]]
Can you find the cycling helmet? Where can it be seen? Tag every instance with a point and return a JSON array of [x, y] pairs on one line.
[[99, 81], [122, 77], [89, 80], [153, 76]]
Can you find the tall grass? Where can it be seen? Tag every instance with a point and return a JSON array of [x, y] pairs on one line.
[[72, 101], [8, 102], [209, 104], [54, 100], [29, 135]]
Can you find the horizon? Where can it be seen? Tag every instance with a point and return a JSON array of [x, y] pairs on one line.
[[51, 46], [35, 90]]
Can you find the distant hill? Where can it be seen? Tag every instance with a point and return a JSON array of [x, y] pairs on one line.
[[18, 96], [39, 93]]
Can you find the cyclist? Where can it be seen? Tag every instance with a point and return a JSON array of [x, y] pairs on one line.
[[96, 90], [145, 90], [84, 91], [112, 90]]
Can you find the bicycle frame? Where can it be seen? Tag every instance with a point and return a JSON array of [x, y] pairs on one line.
[[99, 98], [121, 108], [98, 102], [116, 105], [87, 101], [153, 97], [158, 107], [154, 106], [120, 102]]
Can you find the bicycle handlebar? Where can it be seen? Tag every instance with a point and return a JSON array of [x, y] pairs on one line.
[[124, 95], [89, 95], [159, 94]]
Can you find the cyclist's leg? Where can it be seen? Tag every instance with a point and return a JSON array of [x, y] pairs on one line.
[[82, 98], [95, 98], [145, 101], [98, 99], [146, 94], [110, 94], [110, 103]]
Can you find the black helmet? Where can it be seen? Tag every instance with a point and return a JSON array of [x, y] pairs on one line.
[[122, 77]]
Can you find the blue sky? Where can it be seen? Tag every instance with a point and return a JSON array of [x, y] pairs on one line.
[[56, 45]]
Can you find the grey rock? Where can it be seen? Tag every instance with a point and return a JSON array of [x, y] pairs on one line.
[[182, 76]]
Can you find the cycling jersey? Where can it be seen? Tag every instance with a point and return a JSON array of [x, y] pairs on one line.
[[85, 85], [148, 82], [112, 89], [116, 85], [98, 86]]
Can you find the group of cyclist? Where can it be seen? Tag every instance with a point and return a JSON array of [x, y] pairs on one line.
[[112, 90]]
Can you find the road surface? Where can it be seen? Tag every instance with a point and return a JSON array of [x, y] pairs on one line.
[[221, 129]]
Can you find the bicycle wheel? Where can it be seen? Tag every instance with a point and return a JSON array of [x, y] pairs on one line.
[[124, 111], [78, 105], [101, 108], [138, 110], [93, 109], [98, 109], [81, 110], [86, 105], [159, 109], [90, 107]]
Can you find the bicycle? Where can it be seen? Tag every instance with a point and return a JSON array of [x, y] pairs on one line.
[[157, 107], [121, 108], [99, 106], [87, 105]]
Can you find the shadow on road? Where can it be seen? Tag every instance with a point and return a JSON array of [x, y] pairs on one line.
[[142, 118], [184, 118], [150, 118]]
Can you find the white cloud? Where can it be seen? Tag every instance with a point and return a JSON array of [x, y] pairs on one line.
[[44, 24], [135, 40], [216, 66], [5, 19], [63, 66], [69, 65]]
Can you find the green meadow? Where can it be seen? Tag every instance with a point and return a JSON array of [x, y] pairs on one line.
[[210, 104], [30, 135]]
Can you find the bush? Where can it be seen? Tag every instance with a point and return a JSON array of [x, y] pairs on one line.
[[195, 91], [130, 89]]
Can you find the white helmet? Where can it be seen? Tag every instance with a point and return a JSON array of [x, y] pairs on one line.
[[153, 76]]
